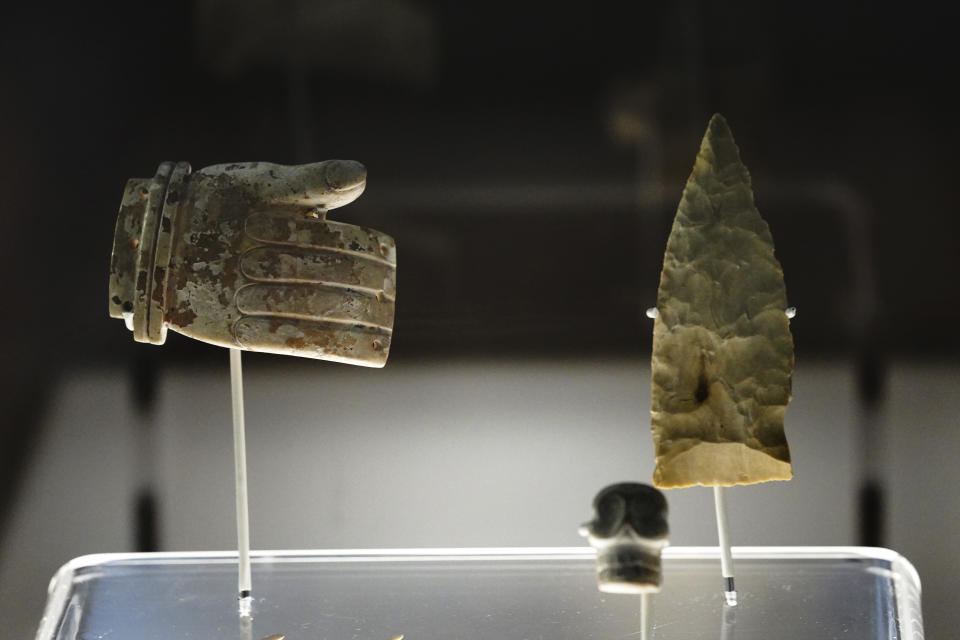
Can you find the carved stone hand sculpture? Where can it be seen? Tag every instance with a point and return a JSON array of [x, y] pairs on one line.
[[629, 532], [242, 255]]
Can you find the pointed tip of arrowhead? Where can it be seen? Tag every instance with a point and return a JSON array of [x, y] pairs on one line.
[[719, 141], [718, 125]]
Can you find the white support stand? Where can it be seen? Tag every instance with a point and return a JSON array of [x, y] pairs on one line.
[[644, 616], [245, 599], [728, 623], [726, 557]]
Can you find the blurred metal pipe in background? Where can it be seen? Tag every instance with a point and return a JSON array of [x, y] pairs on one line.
[[857, 215], [144, 377]]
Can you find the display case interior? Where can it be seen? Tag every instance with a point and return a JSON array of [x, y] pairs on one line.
[[788, 593]]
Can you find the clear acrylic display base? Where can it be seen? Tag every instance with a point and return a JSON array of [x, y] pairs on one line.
[[786, 593]]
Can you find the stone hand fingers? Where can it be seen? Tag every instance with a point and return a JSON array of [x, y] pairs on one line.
[[327, 185]]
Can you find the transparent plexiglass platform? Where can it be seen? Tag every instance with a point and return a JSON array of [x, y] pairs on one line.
[[523, 594]]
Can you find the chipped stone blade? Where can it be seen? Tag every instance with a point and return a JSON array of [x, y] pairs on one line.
[[722, 350]]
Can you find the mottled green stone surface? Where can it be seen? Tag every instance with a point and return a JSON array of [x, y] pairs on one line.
[[722, 350]]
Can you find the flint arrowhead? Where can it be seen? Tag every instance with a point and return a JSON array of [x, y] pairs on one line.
[[722, 350]]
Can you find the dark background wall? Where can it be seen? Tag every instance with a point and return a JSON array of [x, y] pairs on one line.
[[490, 97]]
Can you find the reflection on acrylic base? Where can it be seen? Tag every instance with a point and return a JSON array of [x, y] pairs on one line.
[[787, 593]]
